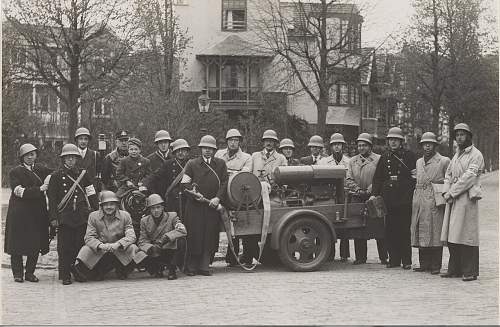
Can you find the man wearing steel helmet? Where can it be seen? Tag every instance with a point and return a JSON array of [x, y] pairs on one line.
[[428, 206], [394, 180], [90, 159], [202, 220], [287, 148], [72, 197], [109, 242], [160, 156], [316, 147], [112, 161], [462, 190], [359, 179]]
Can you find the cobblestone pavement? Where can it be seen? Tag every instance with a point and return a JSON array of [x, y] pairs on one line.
[[338, 294]]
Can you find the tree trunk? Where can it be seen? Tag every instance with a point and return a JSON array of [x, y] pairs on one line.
[[73, 100], [322, 110]]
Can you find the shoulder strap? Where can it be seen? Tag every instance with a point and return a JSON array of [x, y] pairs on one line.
[[66, 197]]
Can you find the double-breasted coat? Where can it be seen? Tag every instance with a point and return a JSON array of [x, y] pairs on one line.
[[131, 169], [27, 223], [157, 159], [263, 166], [109, 167], [170, 226], [360, 172], [427, 218], [101, 230], [461, 217], [202, 221], [240, 161]]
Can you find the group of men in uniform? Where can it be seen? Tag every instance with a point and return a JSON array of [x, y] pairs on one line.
[[96, 236]]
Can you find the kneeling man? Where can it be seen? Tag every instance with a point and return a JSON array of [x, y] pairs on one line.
[[158, 239], [109, 241]]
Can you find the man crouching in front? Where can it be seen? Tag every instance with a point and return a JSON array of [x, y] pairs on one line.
[[158, 239], [109, 241]]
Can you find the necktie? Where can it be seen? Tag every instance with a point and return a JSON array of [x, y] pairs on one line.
[[268, 154], [207, 161], [314, 160]]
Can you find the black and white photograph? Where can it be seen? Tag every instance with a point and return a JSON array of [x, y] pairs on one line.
[[250, 162]]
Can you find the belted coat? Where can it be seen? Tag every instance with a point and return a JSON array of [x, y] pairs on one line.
[[360, 172], [461, 217], [427, 218], [101, 230], [240, 161]]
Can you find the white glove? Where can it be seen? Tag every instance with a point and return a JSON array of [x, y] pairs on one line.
[[214, 202], [19, 191], [372, 198]]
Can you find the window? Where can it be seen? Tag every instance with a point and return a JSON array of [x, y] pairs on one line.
[[101, 108], [234, 15], [349, 35], [344, 94], [45, 99], [333, 95]]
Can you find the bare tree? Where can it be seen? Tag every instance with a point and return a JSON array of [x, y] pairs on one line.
[[72, 46]]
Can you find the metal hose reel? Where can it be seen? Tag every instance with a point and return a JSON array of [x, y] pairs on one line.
[[243, 190]]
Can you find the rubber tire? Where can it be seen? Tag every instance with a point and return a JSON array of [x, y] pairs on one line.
[[323, 233]]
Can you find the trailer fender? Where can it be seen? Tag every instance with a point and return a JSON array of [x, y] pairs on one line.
[[280, 224]]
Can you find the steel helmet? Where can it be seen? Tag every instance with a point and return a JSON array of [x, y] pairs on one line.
[[429, 137], [395, 133], [463, 127], [179, 144], [208, 141], [69, 149], [233, 132], [365, 137], [82, 131], [162, 135], [337, 138], [135, 141], [270, 134], [154, 199], [316, 140], [108, 196], [26, 148], [286, 143]]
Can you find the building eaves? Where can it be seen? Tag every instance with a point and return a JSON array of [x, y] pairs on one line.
[[235, 46]]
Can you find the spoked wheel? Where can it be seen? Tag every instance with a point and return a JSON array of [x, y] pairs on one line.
[[305, 243]]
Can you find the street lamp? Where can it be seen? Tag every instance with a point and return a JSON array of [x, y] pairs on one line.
[[203, 106]]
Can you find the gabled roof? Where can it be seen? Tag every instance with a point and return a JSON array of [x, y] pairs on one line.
[[235, 46]]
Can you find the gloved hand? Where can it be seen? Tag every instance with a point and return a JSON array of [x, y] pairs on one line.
[[104, 247], [115, 246], [372, 197], [44, 187], [143, 188], [18, 191], [214, 202], [166, 239], [130, 184]]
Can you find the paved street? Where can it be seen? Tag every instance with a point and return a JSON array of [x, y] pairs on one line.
[[339, 294]]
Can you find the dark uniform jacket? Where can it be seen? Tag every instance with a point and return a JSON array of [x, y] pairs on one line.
[[393, 178], [26, 227], [157, 159], [109, 167], [202, 222], [159, 181], [92, 163], [131, 169], [77, 210]]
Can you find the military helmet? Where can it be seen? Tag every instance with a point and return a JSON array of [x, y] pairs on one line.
[[463, 127], [26, 148], [395, 133], [316, 140], [162, 135], [82, 131], [135, 141], [365, 137], [179, 144], [337, 138], [70, 149], [270, 134], [286, 143], [429, 137], [233, 132], [108, 196], [154, 199], [208, 141]]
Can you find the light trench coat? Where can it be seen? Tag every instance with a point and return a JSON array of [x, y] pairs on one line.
[[461, 217], [240, 161], [263, 167], [427, 218], [331, 161], [360, 172]]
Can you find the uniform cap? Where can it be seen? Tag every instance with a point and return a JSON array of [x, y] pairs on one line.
[[154, 199], [162, 135], [135, 141], [270, 134], [429, 137], [82, 131], [286, 143], [463, 127], [233, 132], [26, 148], [316, 140], [69, 149], [121, 135], [365, 137], [395, 133], [179, 144], [337, 138], [208, 141], [108, 196]]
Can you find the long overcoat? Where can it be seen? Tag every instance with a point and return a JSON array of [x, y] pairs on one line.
[[202, 221], [157, 159], [131, 169], [26, 227], [427, 218], [92, 164], [461, 218], [263, 167], [240, 161], [100, 230]]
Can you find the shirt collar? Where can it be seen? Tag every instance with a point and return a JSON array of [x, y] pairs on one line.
[[83, 152], [28, 167], [117, 214]]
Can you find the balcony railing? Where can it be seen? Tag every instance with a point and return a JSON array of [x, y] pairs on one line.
[[51, 117], [235, 94]]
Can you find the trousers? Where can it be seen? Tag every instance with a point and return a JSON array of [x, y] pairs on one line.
[[69, 242], [107, 263], [398, 235], [464, 260], [361, 249], [16, 264], [430, 257]]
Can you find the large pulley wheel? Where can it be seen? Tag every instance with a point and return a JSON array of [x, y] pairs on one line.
[[305, 244]]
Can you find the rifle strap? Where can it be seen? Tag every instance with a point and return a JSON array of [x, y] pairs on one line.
[[64, 201]]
